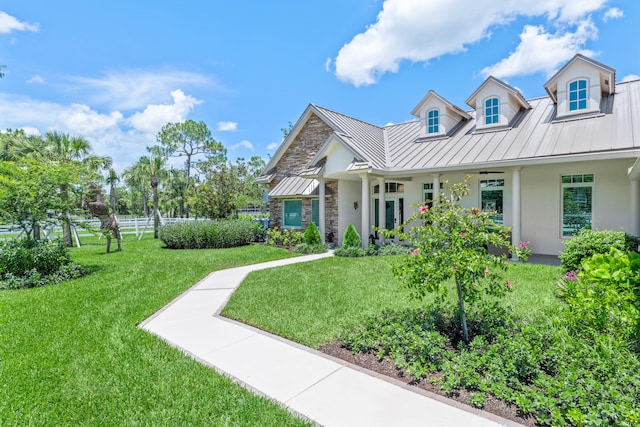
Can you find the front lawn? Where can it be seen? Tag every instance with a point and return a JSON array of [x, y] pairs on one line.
[[534, 356], [72, 354]]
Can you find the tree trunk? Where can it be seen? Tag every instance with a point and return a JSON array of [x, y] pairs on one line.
[[156, 212], [66, 224], [463, 315]]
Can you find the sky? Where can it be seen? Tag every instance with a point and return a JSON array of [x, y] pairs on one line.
[[115, 72]]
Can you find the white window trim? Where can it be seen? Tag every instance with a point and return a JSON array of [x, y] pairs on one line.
[[572, 185], [587, 99], [497, 187], [438, 131], [484, 112]]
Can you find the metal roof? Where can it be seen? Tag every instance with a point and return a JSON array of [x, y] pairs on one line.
[[535, 135], [363, 138], [295, 186]]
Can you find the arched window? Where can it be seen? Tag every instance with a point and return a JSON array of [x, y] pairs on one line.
[[433, 121], [578, 95], [491, 111]]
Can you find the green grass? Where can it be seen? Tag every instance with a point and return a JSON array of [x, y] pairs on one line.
[[72, 354], [315, 302]]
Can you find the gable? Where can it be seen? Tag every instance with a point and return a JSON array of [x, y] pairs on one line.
[[496, 103]]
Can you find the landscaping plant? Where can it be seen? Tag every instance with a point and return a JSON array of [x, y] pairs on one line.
[[216, 234], [451, 242], [590, 242]]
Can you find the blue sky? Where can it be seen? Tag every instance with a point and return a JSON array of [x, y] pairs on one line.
[[115, 72]]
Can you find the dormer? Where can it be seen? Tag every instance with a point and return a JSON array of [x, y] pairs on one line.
[[579, 86], [496, 104], [438, 117]]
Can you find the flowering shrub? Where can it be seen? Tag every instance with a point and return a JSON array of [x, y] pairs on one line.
[[451, 242]]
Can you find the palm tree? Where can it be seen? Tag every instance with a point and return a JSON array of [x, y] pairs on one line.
[[155, 168], [112, 179]]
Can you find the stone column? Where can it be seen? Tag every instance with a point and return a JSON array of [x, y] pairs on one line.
[[515, 209], [366, 228], [382, 209], [321, 208], [634, 215]]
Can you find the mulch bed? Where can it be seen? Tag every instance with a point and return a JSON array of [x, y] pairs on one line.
[[370, 362]]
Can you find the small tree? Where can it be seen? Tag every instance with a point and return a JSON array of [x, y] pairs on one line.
[[312, 235], [351, 238], [451, 242]]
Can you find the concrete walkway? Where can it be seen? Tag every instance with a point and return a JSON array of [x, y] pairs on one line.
[[325, 390]]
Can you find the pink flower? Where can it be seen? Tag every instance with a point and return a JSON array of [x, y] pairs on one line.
[[508, 283], [424, 208], [463, 234], [415, 252], [523, 245], [474, 285], [475, 211], [486, 271]]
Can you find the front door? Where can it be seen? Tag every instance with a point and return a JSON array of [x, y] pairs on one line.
[[390, 214]]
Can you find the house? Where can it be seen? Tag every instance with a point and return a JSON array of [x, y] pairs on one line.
[[547, 167]]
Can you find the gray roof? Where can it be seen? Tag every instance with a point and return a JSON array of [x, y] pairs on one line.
[[534, 134], [364, 139], [295, 186]]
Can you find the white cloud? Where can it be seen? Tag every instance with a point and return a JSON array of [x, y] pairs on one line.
[[82, 120], [36, 79], [273, 146], [9, 23], [31, 131], [613, 13], [155, 116], [541, 51], [630, 77], [227, 126], [242, 144], [418, 31], [134, 89], [327, 64]]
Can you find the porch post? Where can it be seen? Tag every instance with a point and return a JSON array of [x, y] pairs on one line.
[[321, 213], [366, 228], [634, 200], [436, 186], [515, 210], [382, 209]]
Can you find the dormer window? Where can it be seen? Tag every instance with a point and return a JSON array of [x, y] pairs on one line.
[[578, 95], [433, 121], [491, 111]]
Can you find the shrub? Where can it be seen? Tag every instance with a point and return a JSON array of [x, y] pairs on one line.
[[392, 248], [350, 251], [351, 238], [286, 237], [29, 263], [590, 242], [226, 233], [305, 248], [312, 235]]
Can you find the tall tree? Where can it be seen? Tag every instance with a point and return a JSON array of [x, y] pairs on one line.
[[188, 139], [112, 179], [138, 183], [155, 167]]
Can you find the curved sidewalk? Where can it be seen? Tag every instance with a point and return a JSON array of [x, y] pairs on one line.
[[325, 390]]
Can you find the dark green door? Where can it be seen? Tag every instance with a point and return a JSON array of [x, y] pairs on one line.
[[390, 212]]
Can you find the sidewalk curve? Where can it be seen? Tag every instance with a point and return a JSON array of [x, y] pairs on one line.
[[323, 389]]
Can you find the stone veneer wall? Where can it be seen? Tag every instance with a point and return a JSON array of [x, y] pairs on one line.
[[309, 140]]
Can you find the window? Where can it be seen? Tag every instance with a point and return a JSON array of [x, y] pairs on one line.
[[491, 198], [428, 193], [389, 187], [292, 213], [315, 212], [578, 95], [491, 111], [577, 201], [433, 121]]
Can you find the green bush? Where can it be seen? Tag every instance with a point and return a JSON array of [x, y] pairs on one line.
[[590, 242], [312, 235], [286, 237], [351, 238], [350, 251], [29, 263], [226, 233], [305, 248]]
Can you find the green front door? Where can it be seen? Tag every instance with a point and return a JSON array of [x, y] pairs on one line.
[[390, 212]]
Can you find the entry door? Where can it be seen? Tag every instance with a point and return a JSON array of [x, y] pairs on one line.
[[390, 214]]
